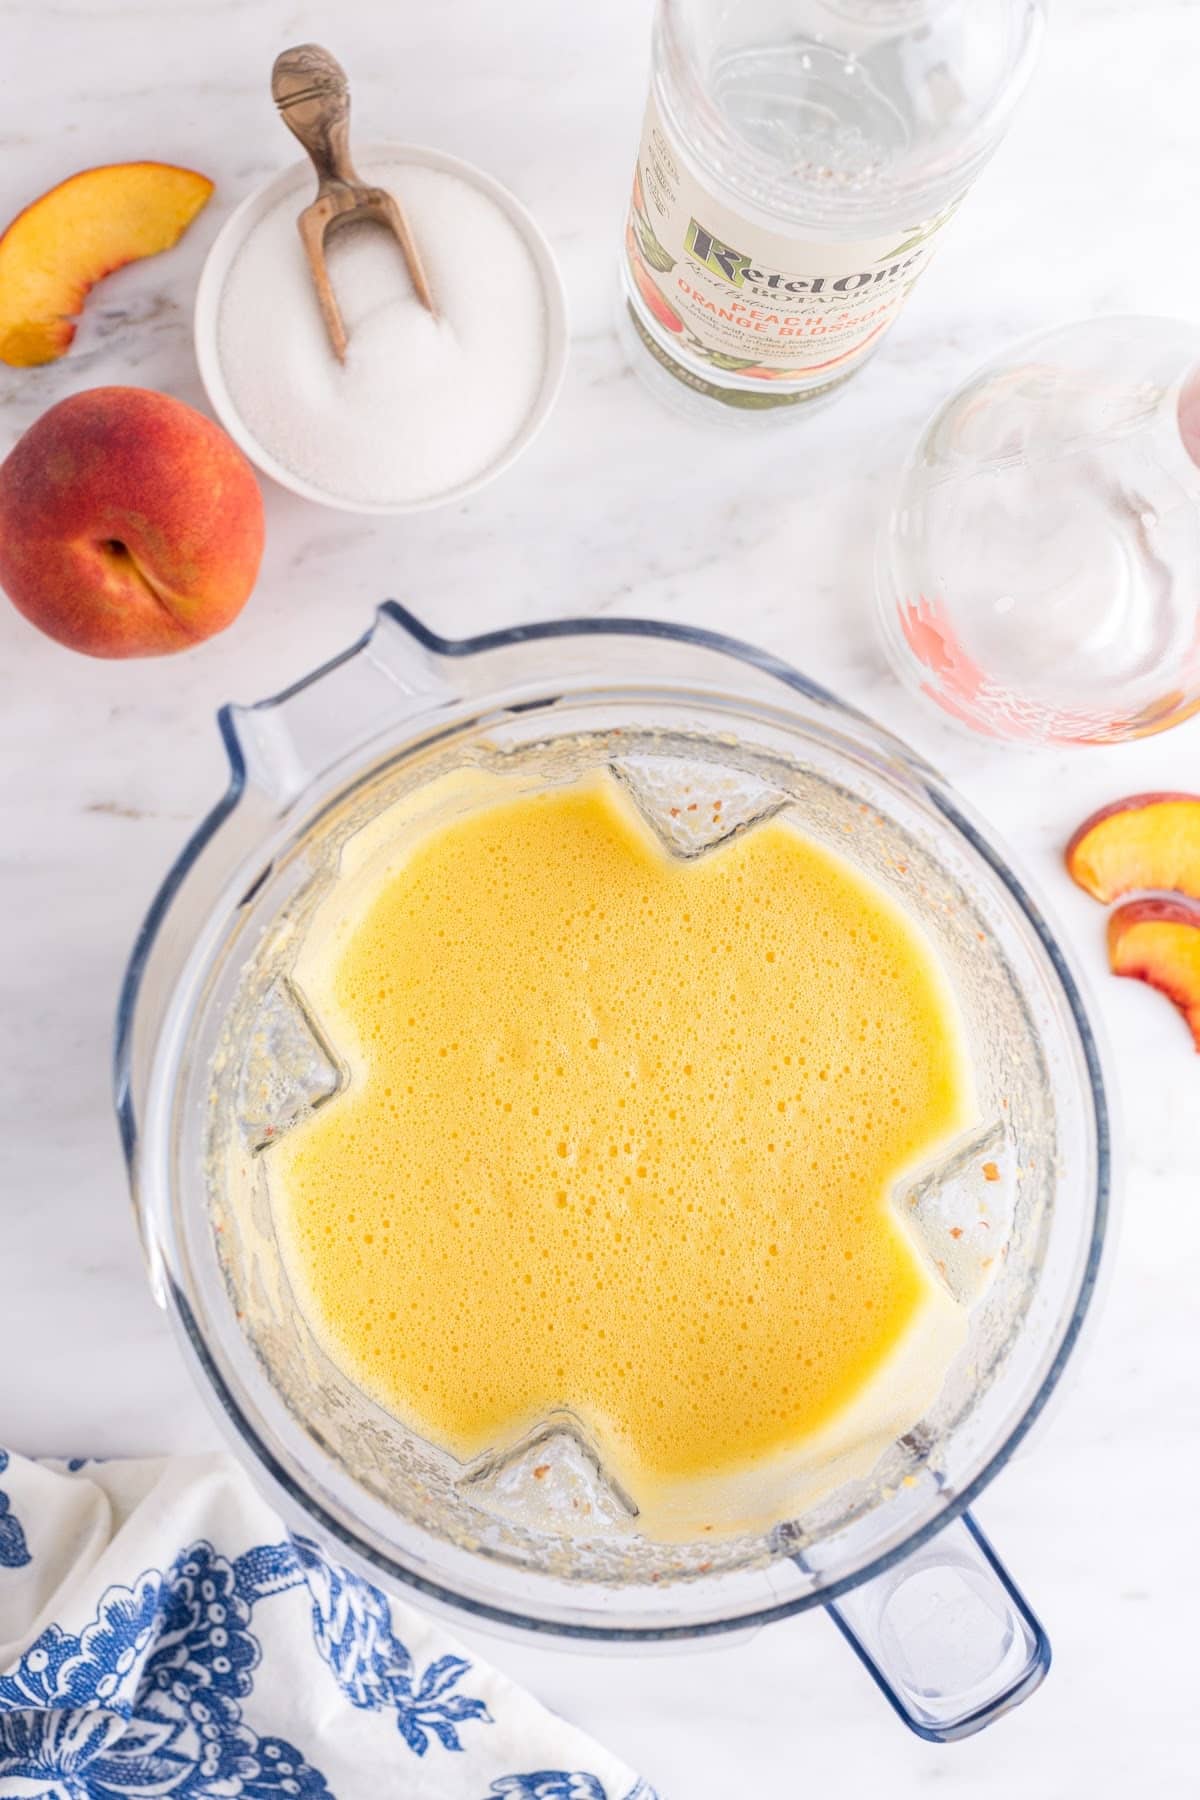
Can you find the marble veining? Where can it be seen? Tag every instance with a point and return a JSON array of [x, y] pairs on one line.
[[619, 507]]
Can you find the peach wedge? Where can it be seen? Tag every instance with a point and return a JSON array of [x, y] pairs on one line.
[[1158, 941], [55, 251], [1146, 841]]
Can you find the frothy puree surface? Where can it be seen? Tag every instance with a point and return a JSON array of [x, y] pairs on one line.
[[620, 1138]]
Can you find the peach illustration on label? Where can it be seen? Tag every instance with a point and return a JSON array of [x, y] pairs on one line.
[[652, 294]]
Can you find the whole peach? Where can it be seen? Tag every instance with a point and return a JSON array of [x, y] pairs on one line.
[[130, 525]]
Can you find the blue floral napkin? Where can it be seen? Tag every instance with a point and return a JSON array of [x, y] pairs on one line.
[[162, 1635]]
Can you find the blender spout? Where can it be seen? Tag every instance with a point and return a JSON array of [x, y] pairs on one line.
[[392, 676]]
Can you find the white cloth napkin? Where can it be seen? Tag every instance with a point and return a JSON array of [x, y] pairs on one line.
[[162, 1637]]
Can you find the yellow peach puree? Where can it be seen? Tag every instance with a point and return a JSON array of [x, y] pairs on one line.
[[620, 1139]]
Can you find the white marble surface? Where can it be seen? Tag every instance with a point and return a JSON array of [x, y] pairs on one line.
[[104, 767]]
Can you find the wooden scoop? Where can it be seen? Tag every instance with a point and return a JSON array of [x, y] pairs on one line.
[[313, 95]]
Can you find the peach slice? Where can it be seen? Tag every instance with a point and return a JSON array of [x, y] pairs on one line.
[[1146, 841], [1158, 941], [83, 229]]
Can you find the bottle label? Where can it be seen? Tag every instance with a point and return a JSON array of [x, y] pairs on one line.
[[748, 301]]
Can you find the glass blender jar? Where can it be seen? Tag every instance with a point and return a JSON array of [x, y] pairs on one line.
[[217, 1056]]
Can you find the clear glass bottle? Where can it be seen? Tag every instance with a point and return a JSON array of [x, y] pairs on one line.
[[1039, 571], [798, 159]]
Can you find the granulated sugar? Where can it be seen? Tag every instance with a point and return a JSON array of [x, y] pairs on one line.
[[422, 404]]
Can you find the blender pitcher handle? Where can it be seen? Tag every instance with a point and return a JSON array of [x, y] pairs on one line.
[[947, 1635]]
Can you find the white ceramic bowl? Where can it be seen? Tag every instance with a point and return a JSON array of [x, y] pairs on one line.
[[300, 180]]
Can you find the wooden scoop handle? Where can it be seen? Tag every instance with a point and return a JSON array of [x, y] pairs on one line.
[[312, 93]]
